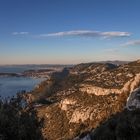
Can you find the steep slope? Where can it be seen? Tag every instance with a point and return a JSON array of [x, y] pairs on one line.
[[88, 95], [123, 126]]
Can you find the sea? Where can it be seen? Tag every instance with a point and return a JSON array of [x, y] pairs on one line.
[[10, 86]]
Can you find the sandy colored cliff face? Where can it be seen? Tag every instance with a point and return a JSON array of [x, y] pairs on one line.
[[81, 115], [132, 84], [128, 86], [66, 104], [82, 107], [84, 113], [98, 90]]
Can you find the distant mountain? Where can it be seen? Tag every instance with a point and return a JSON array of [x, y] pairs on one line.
[[116, 62], [79, 100]]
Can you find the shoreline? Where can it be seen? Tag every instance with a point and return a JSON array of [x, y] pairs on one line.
[[34, 73], [10, 86], [15, 85]]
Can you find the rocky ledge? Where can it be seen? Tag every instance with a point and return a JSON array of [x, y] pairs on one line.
[[79, 99], [124, 125]]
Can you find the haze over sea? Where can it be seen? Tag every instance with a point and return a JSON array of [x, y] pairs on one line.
[[10, 85]]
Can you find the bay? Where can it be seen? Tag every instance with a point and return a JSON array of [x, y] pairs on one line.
[[10, 86]]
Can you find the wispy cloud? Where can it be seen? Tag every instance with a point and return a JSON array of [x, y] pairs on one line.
[[20, 33], [131, 43], [112, 50], [88, 33]]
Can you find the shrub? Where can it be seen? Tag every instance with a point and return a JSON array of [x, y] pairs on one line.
[[18, 120], [122, 126]]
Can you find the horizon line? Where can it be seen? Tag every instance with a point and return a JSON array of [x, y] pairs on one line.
[[66, 63]]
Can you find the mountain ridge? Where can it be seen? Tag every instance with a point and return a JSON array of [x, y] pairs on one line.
[[73, 111]]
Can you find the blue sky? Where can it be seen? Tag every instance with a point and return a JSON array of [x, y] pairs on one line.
[[68, 31]]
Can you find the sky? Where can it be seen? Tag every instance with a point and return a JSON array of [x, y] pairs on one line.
[[68, 31]]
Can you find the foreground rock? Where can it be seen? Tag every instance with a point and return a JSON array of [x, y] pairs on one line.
[[86, 96], [123, 126], [133, 102]]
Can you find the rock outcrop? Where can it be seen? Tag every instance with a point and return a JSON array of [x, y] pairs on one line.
[[133, 101], [123, 125], [98, 90], [86, 96]]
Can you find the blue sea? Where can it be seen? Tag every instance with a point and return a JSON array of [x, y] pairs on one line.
[[10, 86]]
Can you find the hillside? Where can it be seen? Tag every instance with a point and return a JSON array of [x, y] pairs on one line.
[[78, 99]]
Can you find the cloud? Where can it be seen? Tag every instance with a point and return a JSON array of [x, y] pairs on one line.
[[20, 33], [112, 50], [131, 43], [88, 33], [115, 34]]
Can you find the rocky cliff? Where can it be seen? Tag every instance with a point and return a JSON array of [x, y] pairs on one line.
[[124, 125], [86, 96]]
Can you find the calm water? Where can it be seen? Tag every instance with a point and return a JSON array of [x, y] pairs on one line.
[[20, 68], [9, 86]]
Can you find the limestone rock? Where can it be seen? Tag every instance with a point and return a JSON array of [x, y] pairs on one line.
[[133, 101]]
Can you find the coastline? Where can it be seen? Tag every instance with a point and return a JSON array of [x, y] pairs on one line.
[[13, 80]]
